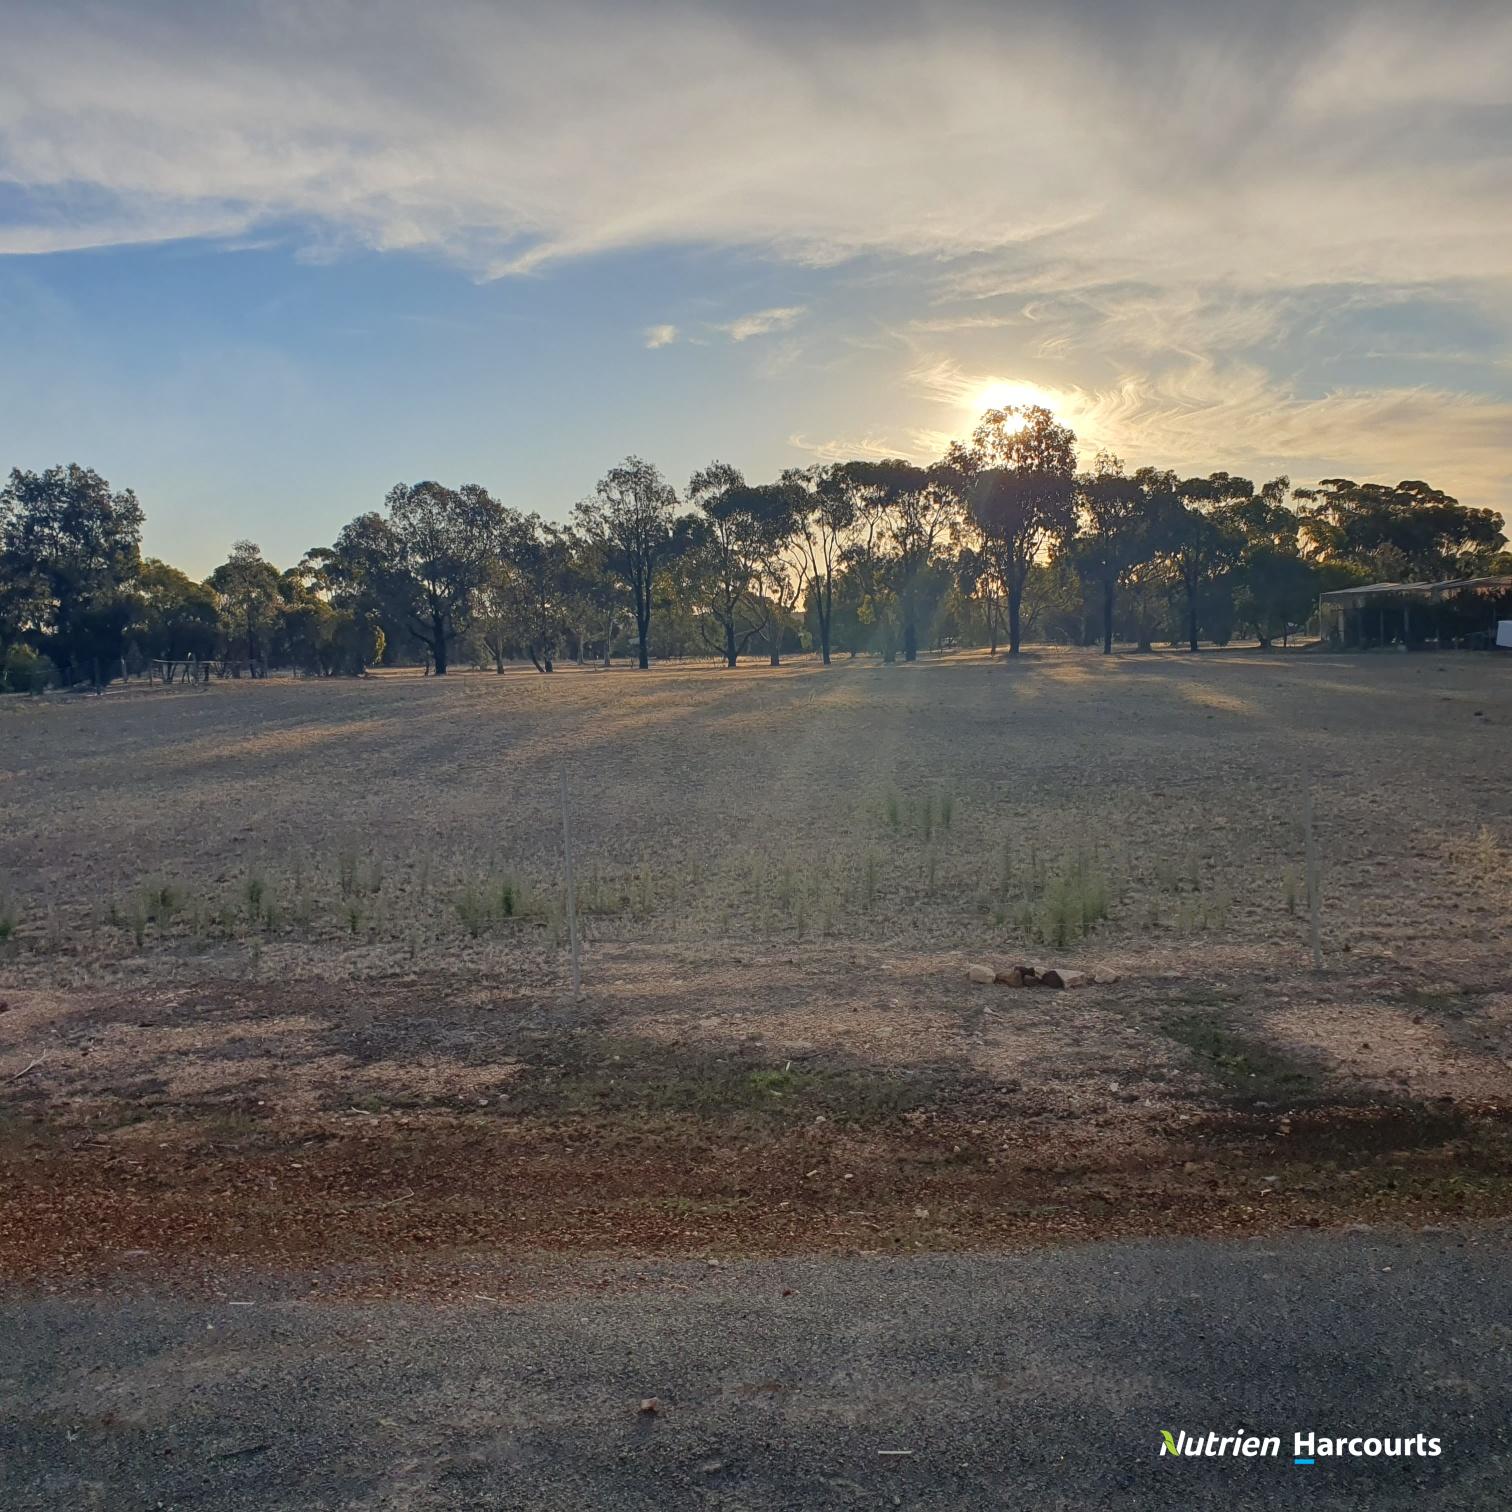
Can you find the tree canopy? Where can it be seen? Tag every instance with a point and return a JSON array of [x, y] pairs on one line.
[[885, 556]]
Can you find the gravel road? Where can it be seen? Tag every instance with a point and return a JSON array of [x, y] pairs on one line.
[[1036, 1380]]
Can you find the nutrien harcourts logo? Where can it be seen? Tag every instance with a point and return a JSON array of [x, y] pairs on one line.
[[1307, 1448]]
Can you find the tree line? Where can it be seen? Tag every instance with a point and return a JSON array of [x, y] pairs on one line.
[[1005, 539]]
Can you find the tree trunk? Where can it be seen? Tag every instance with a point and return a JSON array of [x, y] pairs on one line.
[[1108, 617], [1192, 618], [825, 616], [910, 641], [731, 654], [1015, 603], [438, 645], [642, 630]]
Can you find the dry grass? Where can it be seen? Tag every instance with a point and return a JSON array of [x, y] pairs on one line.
[[299, 901]]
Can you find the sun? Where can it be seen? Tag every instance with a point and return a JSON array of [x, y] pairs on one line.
[[1004, 393]]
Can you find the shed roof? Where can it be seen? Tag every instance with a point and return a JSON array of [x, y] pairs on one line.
[[1428, 593]]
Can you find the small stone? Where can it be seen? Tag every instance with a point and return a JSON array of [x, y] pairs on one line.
[[1051, 978], [650, 1406], [1013, 977], [982, 975], [711, 1467], [1104, 976], [1074, 978]]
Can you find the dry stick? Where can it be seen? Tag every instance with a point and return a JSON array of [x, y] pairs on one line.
[[1314, 900], [572, 930]]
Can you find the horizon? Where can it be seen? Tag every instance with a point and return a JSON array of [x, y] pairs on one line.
[[259, 279]]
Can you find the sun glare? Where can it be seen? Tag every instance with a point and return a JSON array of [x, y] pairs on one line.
[[1004, 393]]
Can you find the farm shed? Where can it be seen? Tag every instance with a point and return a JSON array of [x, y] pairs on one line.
[[1460, 612]]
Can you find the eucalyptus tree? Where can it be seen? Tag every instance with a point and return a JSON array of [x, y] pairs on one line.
[[824, 514], [445, 543], [542, 560], [360, 574], [600, 594], [1276, 585], [1019, 473], [247, 587], [782, 558], [977, 581], [1108, 515], [1407, 531], [630, 518], [1120, 520], [736, 533], [1202, 542], [70, 552], [178, 618], [866, 561], [919, 512]]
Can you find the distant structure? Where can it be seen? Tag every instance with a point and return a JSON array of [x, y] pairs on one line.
[[1459, 614]]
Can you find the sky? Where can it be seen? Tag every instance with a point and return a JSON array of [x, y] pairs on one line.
[[261, 261]]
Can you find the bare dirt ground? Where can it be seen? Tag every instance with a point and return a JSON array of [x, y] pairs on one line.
[[284, 976]]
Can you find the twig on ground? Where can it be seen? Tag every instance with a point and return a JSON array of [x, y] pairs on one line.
[[36, 1061]]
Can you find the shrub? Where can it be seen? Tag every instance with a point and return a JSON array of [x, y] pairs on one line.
[[1074, 899], [23, 670]]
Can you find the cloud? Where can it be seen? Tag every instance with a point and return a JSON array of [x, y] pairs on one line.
[[1201, 415], [660, 336], [849, 449], [762, 322], [1168, 214], [1207, 137]]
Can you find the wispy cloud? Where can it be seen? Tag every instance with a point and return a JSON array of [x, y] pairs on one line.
[[761, 322], [1200, 415], [660, 336], [1165, 141], [851, 448], [1162, 213]]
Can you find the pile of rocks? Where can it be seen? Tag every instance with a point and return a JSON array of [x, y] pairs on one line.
[[1038, 976]]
